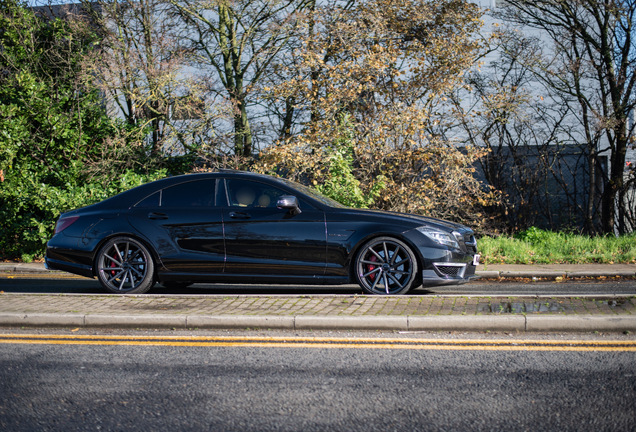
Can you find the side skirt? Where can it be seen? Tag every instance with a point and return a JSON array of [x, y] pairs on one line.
[[258, 279]]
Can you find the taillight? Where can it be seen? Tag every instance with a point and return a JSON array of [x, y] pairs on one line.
[[64, 223]]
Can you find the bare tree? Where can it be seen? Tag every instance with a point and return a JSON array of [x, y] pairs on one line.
[[589, 61], [238, 41], [144, 76], [534, 138]]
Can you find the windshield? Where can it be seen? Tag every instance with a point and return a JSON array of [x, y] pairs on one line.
[[313, 193]]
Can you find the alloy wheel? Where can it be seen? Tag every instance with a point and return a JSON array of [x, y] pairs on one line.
[[386, 266], [124, 265]]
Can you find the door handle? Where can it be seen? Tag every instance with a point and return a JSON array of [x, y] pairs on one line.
[[239, 215], [157, 216]]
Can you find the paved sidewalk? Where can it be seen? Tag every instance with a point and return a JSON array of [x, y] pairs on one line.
[[341, 312]]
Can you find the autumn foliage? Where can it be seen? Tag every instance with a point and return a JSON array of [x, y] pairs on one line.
[[370, 83]]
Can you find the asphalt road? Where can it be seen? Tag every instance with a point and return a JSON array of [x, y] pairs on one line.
[[62, 283], [102, 387]]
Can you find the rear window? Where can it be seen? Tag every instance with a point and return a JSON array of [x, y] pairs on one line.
[[153, 200], [199, 193]]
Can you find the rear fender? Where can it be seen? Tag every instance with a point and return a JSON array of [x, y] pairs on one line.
[[107, 229]]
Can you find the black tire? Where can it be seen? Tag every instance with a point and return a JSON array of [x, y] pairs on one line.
[[395, 275], [125, 266], [176, 285]]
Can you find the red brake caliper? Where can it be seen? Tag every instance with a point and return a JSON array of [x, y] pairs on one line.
[[372, 267], [112, 263]]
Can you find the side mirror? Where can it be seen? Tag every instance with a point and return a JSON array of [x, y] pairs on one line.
[[290, 203]]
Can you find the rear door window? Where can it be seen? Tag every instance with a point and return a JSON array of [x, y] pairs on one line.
[[200, 193]]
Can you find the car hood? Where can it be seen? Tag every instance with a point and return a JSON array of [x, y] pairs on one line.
[[408, 220]]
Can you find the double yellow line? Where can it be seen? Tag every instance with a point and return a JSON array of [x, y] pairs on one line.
[[321, 342]]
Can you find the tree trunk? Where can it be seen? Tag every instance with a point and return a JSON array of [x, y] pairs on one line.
[[285, 132], [242, 131], [591, 197], [612, 189]]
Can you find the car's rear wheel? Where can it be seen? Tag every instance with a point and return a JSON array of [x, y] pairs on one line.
[[125, 266], [386, 266]]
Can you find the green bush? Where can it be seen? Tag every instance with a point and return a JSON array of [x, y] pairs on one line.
[[29, 209], [54, 130], [340, 183]]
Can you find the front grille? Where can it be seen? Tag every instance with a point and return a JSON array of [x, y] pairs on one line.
[[470, 242], [466, 240], [460, 240], [451, 270]]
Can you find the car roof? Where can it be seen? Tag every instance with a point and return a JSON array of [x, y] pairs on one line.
[[130, 197]]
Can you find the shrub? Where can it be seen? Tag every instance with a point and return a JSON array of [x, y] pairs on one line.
[[30, 208]]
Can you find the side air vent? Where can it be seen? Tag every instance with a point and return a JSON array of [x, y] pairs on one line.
[[451, 269]]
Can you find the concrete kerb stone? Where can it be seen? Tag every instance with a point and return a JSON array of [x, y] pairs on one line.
[[576, 274], [467, 323], [487, 274], [99, 320], [519, 323], [532, 273], [25, 268], [336, 322], [240, 322], [42, 319], [555, 323]]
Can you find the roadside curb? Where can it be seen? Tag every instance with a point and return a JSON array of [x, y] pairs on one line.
[[481, 274], [554, 274], [25, 268], [512, 323]]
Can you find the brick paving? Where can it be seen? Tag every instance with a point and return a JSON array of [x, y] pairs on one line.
[[300, 305]]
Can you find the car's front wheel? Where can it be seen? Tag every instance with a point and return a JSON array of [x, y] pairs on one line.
[[386, 265], [125, 266]]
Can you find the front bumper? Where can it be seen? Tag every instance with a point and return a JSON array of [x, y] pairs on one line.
[[447, 267], [443, 265], [448, 273]]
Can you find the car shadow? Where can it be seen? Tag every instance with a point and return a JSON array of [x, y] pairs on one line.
[[253, 289], [25, 284]]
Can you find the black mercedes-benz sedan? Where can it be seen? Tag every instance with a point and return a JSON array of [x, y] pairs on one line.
[[241, 227]]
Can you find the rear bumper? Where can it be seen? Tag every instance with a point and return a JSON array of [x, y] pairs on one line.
[[75, 268]]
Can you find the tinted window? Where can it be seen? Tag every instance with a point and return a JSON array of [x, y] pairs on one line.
[[313, 193], [244, 193], [191, 194], [221, 195], [151, 201]]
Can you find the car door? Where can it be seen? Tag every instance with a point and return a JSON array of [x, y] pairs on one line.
[[261, 239], [185, 226]]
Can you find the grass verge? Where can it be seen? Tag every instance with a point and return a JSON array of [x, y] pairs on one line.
[[536, 246]]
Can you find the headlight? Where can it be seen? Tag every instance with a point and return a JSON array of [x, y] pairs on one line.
[[439, 236]]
